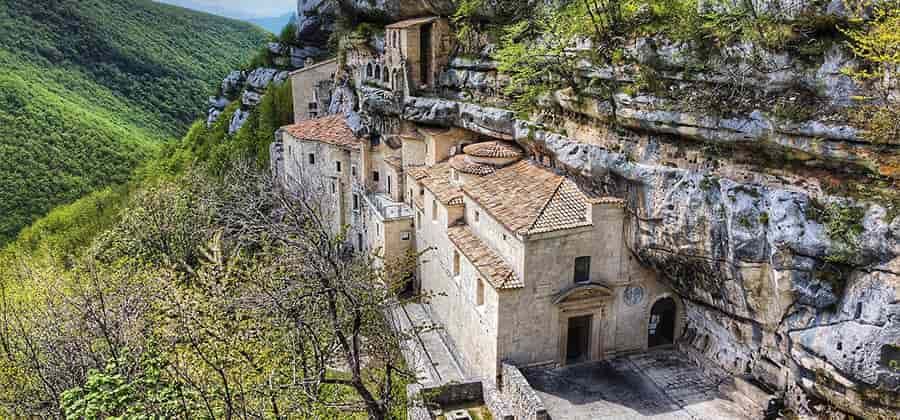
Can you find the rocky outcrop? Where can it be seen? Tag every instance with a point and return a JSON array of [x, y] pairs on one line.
[[753, 244], [759, 272], [249, 88], [768, 291]]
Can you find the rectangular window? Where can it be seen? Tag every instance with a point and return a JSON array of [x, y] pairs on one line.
[[353, 170], [477, 216], [582, 269], [405, 236], [337, 166], [375, 176], [455, 263], [355, 202], [479, 292], [313, 106], [434, 210], [359, 241], [312, 159], [333, 188], [389, 184]]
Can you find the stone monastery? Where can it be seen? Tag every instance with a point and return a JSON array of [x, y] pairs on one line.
[[525, 265]]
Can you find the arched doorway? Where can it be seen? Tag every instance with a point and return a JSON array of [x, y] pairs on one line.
[[661, 327]]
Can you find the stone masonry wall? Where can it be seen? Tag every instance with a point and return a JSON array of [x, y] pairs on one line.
[[518, 393]]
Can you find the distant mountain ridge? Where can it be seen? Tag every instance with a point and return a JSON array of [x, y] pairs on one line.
[[273, 24], [88, 90]]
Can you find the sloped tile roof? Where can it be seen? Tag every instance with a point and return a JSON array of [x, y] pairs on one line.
[[393, 161], [332, 129], [463, 164], [437, 180], [528, 198], [515, 195], [494, 149], [567, 209], [494, 269]]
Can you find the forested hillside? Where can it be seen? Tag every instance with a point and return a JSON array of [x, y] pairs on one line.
[[88, 89]]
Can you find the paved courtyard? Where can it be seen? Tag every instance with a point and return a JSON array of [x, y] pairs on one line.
[[659, 384]]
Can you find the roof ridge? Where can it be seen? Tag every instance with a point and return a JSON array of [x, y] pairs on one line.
[[547, 204]]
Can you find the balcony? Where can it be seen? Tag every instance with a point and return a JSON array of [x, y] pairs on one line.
[[388, 209]]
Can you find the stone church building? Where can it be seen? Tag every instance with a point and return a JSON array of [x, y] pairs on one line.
[[524, 266]]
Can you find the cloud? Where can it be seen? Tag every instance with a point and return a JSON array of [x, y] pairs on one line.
[[239, 8]]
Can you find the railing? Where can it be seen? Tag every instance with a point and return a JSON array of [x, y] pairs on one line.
[[387, 208]]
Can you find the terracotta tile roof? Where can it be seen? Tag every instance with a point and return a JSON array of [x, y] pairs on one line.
[[494, 269], [411, 22], [418, 172], [527, 198], [565, 210], [463, 164], [494, 149], [394, 161], [437, 180], [332, 130]]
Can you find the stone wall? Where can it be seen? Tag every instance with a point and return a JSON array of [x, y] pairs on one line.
[[519, 394]]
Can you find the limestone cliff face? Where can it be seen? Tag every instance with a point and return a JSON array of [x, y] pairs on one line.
[[745, 212]]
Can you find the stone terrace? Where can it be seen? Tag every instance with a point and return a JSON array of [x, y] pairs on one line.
[[660, 384]]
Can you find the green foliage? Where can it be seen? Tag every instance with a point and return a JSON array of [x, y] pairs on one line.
[[90, 89], [843, 223], [117, 393], [880, 123], [878, 40], [219, 150]]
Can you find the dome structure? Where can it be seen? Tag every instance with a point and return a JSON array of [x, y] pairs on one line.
[[496, 153]]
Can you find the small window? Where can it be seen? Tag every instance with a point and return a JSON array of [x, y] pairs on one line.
[[434, 210], [337, 166], [582, 269], [504, 236], [477, 216], [313, 106], [355, 202], [422, 191], [333, 188], [455, 263], [359, 241], [375, 176], [389, 184], [369, 70], [405, 236], [353, 170], [419, 220], [312, 159], [479, 292]]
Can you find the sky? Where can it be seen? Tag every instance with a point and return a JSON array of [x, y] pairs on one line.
[[239, 9]]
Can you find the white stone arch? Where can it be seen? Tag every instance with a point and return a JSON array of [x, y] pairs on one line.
[[679, 317]]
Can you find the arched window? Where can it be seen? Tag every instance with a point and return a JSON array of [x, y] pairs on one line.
[[377, 72], [369, 70], [387, 76]]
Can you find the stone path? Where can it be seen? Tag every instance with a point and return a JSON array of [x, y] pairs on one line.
[[427, 351], [659, 384]]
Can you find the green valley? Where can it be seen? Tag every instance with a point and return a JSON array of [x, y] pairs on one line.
[[89, 89]]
